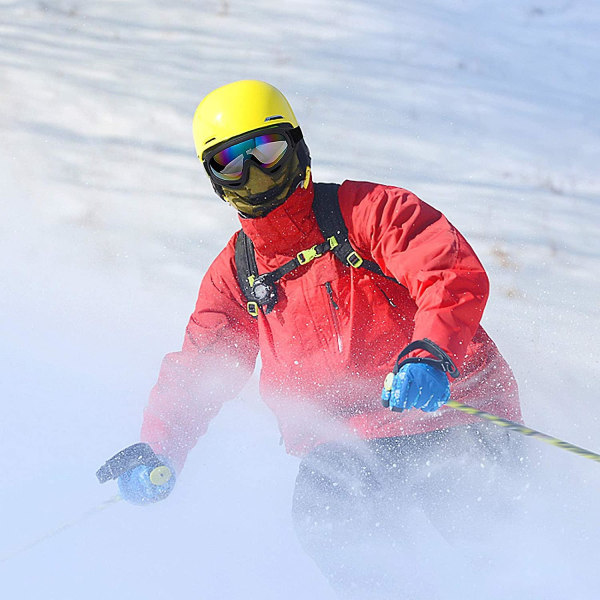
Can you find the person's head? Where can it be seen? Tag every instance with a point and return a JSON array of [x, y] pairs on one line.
[[250, 144]]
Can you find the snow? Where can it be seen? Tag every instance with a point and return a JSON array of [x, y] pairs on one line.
[[487, 110]]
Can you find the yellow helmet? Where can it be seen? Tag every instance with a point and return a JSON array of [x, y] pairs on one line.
[[237, 108], [232, 114]]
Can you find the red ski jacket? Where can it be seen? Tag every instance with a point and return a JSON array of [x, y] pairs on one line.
[[336, 331]]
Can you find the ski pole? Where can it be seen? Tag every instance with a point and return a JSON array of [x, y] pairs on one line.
[[131, 457], [87, 514], [522, 429]]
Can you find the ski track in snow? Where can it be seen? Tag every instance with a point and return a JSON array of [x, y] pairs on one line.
[[488, 112]]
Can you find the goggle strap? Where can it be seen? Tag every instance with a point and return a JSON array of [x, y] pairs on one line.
[[295, 135]]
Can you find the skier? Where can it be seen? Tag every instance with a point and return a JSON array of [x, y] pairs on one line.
[[367, 320]]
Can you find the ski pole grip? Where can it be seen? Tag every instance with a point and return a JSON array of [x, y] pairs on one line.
[[127, 459]]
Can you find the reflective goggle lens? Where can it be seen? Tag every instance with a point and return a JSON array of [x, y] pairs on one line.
[[267, 149]]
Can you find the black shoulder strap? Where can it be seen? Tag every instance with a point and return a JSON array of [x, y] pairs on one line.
[[245, 264], [326, 207], [329, 217]]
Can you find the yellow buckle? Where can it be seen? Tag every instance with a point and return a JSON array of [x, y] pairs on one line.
[[251, 279], [332, 242], [252, 308], [354, 259], [305, 256]]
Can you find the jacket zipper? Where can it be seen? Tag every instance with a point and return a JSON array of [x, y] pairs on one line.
[[333, 307], [390, 302]]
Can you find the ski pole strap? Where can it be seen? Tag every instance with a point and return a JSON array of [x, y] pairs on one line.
[[441, 361]]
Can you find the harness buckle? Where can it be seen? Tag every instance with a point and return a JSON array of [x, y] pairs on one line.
[[305, 256], [252, 308], [354, 259]]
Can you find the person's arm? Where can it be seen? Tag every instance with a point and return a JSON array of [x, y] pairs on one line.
[[416, 245], [217, 358]]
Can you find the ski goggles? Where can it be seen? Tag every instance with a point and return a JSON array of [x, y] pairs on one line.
[[228, 163]]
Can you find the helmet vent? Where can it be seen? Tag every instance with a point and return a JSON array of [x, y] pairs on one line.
[[273, 118], [210, 140]]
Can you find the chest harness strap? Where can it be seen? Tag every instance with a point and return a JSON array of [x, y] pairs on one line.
[[260, 290]]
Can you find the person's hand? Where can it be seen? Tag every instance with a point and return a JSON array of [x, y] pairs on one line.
[[416, 385], [143, 477], [145, 484]]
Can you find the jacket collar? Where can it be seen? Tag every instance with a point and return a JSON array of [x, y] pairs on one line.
[[287, 229]]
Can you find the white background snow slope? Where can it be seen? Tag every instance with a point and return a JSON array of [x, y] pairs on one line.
[[487, 110]]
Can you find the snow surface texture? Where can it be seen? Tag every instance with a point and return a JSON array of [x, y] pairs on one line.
[[486, 110]]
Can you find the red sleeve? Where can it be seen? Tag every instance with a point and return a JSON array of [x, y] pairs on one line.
[[415, 244], [218, 357]]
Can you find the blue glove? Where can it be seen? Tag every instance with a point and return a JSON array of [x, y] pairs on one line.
[[416, 385], [145, 484]]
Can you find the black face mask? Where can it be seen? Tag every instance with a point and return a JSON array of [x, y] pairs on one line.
[[262, 192], [263, 189]]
